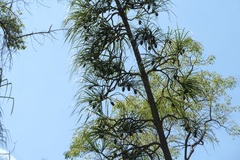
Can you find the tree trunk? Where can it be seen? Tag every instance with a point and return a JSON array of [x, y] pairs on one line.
[[154, 111]]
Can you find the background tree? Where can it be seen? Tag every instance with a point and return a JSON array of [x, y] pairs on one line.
[[172, 105], [12, 40]]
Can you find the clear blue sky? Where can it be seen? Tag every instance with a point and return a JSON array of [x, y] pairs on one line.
[[41, 125]]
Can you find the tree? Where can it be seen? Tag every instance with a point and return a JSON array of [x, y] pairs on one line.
[[12, 40], [171, 105]]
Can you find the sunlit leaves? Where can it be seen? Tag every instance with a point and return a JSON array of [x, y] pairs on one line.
[[188, 101], [11, 27], [11, 31]]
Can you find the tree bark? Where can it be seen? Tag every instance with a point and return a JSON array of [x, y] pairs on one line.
[[144, 76]]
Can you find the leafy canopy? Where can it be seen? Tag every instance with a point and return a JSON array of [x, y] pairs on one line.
[[122, 121], [11, 29]]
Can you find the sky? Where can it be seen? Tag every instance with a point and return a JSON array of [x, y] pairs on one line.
[[41, 125]]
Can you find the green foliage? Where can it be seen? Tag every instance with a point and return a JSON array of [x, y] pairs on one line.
[[114, 96], [11, 30]]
